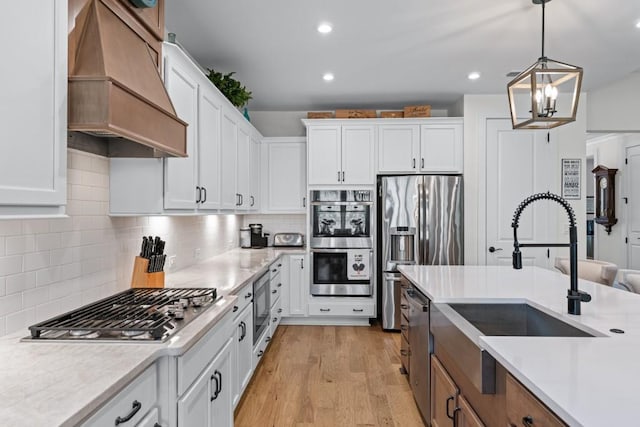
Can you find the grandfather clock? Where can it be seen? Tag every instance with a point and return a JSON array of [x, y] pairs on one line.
[[605, 188]]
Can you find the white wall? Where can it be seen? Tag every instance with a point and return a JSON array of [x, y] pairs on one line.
[[477, 109], [49, 266], [610, 151], [615, 107]]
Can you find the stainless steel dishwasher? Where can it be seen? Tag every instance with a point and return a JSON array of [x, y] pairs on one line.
[[421, 348]]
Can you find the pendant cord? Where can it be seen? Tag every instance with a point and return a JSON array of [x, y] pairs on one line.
[[543, 2]]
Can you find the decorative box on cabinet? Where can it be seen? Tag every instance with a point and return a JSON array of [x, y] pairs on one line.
[[284, 166], [33, 165]]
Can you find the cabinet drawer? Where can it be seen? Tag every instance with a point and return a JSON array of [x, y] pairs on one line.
[[523, 406], [275, 287], [196, 359], [333, 309], [260, 348], [404, 304], [276, 315], [274, 268], [405, 351], [245, 296], [404, 327], [136, 400]]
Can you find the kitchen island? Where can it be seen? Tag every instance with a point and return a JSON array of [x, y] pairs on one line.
[[585, 381], [64, 383]]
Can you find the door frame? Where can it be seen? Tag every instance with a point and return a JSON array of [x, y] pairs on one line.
[[626, 186]]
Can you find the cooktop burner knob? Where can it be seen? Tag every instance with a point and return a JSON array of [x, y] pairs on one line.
[[184, 302]]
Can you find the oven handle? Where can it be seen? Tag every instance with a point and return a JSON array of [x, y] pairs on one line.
[[341, 203]]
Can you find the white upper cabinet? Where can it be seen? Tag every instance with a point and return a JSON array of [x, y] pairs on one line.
[[432, 145], [244, 159], [209, 116], [357, 155], [441, 147], [33, 110], [398, 148], [324, 154], [228, 161], [180, 178], [285, 175], [341, 154], [255, 172]]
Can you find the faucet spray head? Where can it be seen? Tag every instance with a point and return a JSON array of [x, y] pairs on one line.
[[517, 259]]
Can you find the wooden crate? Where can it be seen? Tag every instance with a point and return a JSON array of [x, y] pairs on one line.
[[320, 115], [391, 114], [356, 114], [417, 111]]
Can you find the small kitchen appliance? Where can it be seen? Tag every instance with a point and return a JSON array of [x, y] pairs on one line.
[[245, 237], [288, 239], [258, 240]]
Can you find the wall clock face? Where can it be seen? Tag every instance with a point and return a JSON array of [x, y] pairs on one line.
[[144, 3], [604, 183]]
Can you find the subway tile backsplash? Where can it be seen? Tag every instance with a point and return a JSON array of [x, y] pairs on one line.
[[49, 266]]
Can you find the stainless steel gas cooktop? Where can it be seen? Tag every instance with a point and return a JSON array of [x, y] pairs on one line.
[[140, 315]]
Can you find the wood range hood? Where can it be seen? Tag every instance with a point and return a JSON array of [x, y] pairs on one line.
[[115, 89]]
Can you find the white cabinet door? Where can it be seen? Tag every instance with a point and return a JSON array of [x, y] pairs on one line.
[[633, 207], [207, 402], [228, 161], [286, 180], [324, 155], [441, 148], [180, 173], [243, 153], [255, 172], [33, 111], [209, 149], [298, 286], [221, 409], [243, 357], [398, 148], [357, 154]]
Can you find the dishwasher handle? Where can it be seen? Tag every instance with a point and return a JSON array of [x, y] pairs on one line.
[[417, 300]]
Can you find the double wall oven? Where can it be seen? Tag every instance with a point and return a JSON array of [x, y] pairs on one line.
[[342, 242]]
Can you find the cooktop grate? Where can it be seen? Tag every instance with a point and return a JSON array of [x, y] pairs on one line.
[[140, 313]]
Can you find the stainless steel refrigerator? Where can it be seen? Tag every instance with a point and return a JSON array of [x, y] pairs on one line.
[[420, 222]]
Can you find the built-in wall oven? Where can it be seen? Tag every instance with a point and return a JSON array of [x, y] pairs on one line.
[[342, 272], [342, 242], [261, 306]]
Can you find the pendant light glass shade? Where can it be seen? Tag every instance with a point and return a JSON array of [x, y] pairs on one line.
[[545, 95]]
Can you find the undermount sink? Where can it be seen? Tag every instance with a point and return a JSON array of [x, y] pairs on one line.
[[458, 327], [515, 320]]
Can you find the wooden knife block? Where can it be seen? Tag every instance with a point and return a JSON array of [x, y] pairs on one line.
[[141, 279]]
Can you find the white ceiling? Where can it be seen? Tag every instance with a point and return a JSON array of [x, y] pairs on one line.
[[387, 54]]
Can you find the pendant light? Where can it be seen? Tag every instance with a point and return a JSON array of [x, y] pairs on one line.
[[545, 95]]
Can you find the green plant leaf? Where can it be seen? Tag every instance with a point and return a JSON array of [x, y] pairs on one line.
[[232, 89]]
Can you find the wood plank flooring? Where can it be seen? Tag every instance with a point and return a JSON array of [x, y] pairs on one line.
[[329, 376]]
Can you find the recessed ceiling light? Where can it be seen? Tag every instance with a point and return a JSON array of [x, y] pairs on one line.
[[325, 28], [638, 24], [328, 77], [473, 75]]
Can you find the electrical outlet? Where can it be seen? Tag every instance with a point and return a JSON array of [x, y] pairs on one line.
[[196, 253], [172, 261]]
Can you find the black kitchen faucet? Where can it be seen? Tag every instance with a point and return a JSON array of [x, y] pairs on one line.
[[574, 295]]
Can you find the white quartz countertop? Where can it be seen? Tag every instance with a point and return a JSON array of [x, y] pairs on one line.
[[586, 381], [62, 383]]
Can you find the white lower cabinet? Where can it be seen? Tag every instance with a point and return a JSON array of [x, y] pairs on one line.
[[207, 402], [242, 360], [331, 307], [296, 288], [132, 404], [152, 419], [276, 316]]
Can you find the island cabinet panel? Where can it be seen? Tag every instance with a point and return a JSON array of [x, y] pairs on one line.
[[465, 416], [444, 394], [523, 408]]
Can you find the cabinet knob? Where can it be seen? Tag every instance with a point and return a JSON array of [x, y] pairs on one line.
[[527, 421]]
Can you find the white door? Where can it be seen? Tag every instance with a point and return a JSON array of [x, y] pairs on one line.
[[357, 155], [398, 148], [180, 173], [518, 166], [286, 177], [209, 150], [633, 207], [324, 155], [228, 165]]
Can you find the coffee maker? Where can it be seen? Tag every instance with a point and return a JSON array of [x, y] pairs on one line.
[[257, 239]]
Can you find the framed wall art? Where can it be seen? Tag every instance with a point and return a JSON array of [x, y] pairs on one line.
[[571, 178]]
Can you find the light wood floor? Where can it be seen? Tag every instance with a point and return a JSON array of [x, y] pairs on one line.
[[329, 376]]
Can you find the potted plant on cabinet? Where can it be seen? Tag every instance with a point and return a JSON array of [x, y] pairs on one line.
[[235, 92]]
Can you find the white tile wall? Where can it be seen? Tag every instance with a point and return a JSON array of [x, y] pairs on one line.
[[48, 267]]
